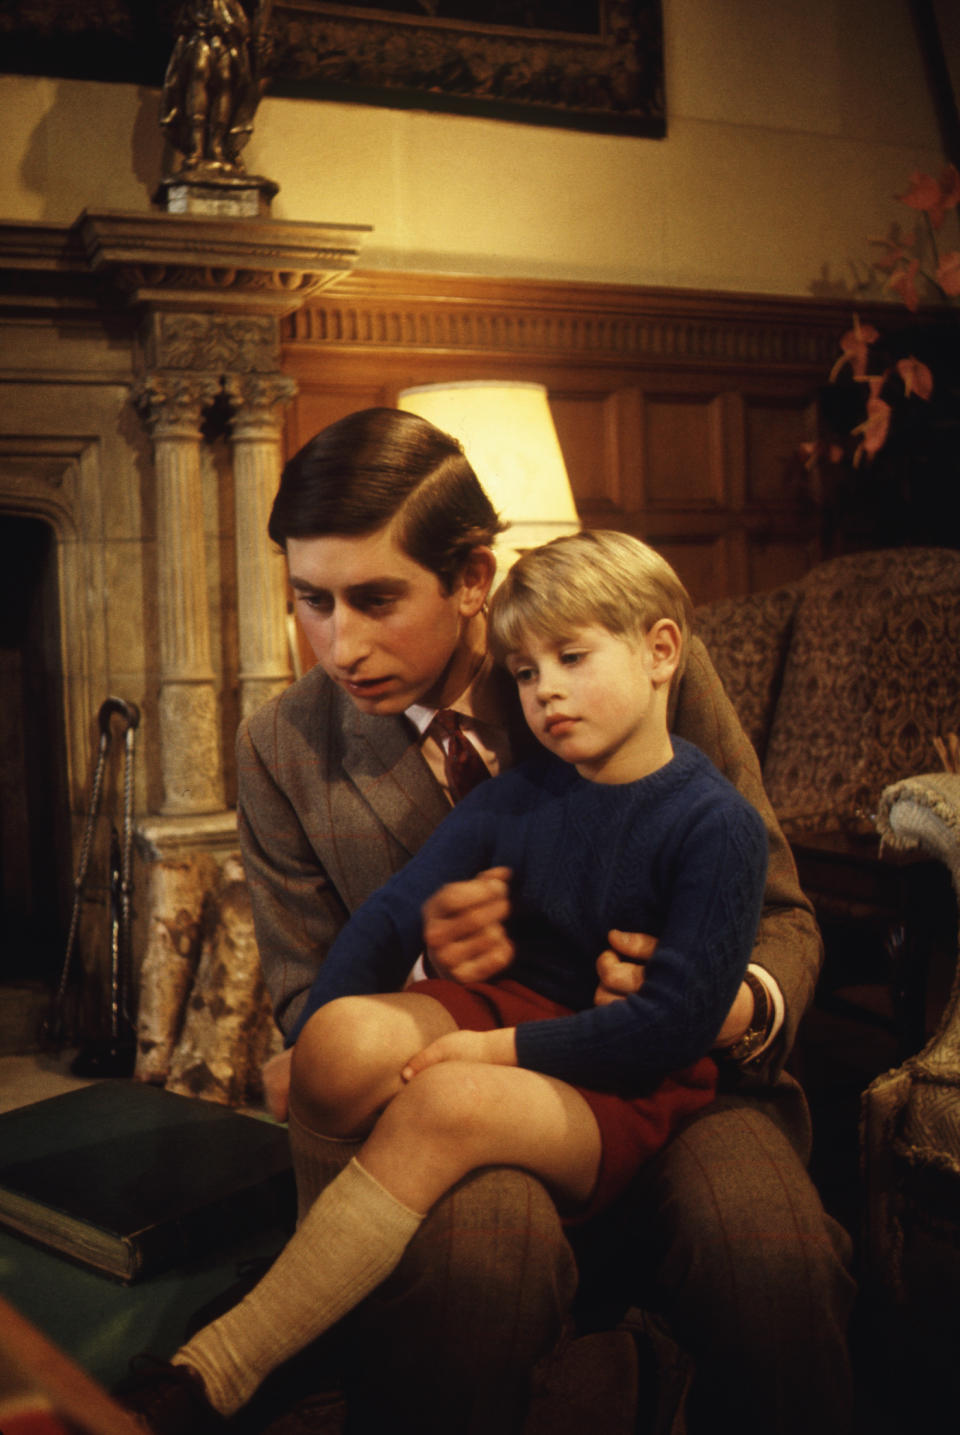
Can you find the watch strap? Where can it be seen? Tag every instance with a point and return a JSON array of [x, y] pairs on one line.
[[757, 1032]]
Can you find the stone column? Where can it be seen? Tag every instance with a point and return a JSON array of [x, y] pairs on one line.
[[261, 570], [192, 765]]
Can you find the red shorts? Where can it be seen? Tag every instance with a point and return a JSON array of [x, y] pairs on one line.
[[631, 1128]]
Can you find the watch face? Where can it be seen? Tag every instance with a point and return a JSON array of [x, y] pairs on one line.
[[747, 1045]]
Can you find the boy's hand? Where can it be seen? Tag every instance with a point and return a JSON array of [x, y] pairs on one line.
[[621, 967], [463, 930], [276, 1084], [497, 1048]]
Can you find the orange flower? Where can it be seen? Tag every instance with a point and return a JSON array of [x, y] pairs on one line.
[[917, 378], [903, 281], [855, 349], [874, 429], [948, 273], [811, 452], [931, 196]]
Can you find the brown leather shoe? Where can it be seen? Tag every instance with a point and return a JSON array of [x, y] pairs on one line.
[[167, 1399]]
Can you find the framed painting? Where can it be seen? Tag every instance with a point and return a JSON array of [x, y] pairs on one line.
[[583, 64]]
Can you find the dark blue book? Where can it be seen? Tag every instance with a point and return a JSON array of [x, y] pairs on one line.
[[130, 1179]]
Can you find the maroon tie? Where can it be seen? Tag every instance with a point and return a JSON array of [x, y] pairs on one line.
[[464, 768]]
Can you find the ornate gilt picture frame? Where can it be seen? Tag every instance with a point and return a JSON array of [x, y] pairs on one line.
[[582, 64]]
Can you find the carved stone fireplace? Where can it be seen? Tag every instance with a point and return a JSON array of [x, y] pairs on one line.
[[141, 414], [34, 829]]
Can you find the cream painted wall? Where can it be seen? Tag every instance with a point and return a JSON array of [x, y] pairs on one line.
[[792, 124]]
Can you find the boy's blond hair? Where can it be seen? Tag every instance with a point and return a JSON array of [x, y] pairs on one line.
[[595, 577]]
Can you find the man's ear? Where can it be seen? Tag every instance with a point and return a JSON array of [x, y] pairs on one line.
[[476, 580], [664, 643]]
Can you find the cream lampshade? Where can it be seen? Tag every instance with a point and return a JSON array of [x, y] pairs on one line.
[[508, 435]]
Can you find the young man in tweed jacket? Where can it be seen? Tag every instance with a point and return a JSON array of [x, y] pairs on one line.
[[340, 781]]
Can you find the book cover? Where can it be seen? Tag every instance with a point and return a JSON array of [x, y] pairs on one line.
[[130, 1179]]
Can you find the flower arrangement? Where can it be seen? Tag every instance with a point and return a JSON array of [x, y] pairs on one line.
[[904, 255], [891, 410]]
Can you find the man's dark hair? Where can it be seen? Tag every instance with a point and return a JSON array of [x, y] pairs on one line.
[[382, 464]]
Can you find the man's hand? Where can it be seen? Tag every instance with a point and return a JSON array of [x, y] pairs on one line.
[[498, 1048], [621, 967], [463, 929], [620, 978]]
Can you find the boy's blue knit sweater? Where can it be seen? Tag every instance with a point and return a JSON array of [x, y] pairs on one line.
[[679, 854]]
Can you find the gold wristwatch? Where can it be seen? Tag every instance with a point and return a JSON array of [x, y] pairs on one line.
[[756, 1033]]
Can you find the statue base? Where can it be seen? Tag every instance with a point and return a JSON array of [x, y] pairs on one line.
[[224, 196]]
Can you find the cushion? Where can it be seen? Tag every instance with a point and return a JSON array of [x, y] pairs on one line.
[[885, 577], [913, 696], [867, 686]]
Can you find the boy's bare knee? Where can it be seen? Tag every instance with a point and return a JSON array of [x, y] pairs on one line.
[[342, 1064]]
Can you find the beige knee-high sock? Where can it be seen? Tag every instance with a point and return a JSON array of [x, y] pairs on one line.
[[316, 1160], [350, 1240]]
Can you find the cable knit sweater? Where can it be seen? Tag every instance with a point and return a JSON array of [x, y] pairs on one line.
[[679, 854]]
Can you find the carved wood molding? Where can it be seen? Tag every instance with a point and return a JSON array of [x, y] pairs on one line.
[[248, 266], [586, 323], [252, 265]]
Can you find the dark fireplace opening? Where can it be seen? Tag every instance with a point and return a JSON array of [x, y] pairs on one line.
[[35, 875]]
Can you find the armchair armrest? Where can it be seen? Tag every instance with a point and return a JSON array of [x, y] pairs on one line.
[[910, 1126], [922, 814]]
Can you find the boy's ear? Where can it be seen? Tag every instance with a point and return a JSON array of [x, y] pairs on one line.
[[476, 580], [664, 643]]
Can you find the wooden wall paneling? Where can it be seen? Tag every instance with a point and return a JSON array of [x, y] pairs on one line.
[[775, 425], [701, 561], [784, 523], [775, 560], [594, 429], [683, 450], [734, 455], [677, 412], [318, 404]]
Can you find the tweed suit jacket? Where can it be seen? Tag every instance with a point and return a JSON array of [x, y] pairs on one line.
[[332, 801]]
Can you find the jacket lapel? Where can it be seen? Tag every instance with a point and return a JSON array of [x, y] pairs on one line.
[[387, 768]]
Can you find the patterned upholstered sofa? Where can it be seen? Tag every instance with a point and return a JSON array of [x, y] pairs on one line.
[[843, 679]]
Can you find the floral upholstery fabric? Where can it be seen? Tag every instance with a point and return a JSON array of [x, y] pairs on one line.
[[912, 695], [817, 734], [871, 675], [748, 638]]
